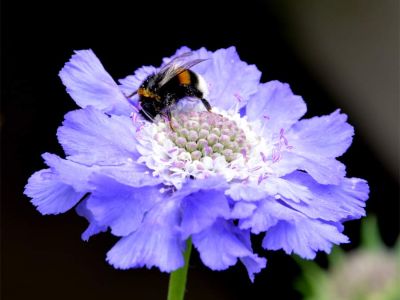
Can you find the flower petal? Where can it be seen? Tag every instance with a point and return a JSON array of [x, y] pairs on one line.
[[90, 137], [89, 84], [78, 175], [193, 186], [201, 209], [222, 244], [272, 186], [248, 192], [324, 170], [314, 145], [267, 214], [119, 206], [131, 174], [94, 227], [304, 237], [49, 194], [231, 80], [275, 107], [70, 173], [328, 136], [341, 202], [156, 243], [254, 264], [242, 209]]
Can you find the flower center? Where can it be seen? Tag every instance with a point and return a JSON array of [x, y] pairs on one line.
[[207, 134], [199, 144]]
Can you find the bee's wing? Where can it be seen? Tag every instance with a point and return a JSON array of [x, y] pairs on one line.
[[176, 66]]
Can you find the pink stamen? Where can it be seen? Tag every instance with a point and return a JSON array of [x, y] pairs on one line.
[[255, 169], [282, 137], [172, 150], [134, 117], [139, 128], [135, 108], [178, 164], [262, 177], [244, 153], [264, 158], [276, 154], [238, 97]]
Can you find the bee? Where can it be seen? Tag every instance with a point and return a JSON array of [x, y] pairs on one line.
[[163, 89]]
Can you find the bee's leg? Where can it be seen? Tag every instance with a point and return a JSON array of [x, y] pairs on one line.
[[192, 91], [169, 100], [169, 118], [206, 104]]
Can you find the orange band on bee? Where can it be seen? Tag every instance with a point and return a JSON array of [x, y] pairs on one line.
[[184, 77]]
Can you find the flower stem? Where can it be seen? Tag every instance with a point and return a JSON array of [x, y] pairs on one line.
[[177, 279]]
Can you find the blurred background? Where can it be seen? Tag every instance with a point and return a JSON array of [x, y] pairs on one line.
[[335, 54]]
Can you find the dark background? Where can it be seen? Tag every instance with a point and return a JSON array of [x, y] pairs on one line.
[[44, 258]]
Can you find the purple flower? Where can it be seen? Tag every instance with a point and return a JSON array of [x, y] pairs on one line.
[[215, 177]]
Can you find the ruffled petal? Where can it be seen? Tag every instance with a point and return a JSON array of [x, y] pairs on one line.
[[70, 173], [304, 237], [254, 264], [242, 209], [94, 227], [89, 84], [78, 175], [237, 81], [267, 214], [328, 136], [217, 183], [49, 194], [314, 144], [222, 244], [130, 173], [156, 243], [200, 210], [324, 170], [90, 137], [59, 188], [248, 192], [345, 201], [275, 107], [272, 186], [119, 206], [287, 189]]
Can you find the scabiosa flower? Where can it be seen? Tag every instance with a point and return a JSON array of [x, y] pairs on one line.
[[248, 166]]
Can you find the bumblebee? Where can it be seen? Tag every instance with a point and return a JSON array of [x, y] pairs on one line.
[[161, 90]]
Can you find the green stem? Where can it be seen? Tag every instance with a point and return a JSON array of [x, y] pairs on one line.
[[177, 279]]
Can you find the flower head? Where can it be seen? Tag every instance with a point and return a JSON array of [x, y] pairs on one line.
[[250, 165]]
